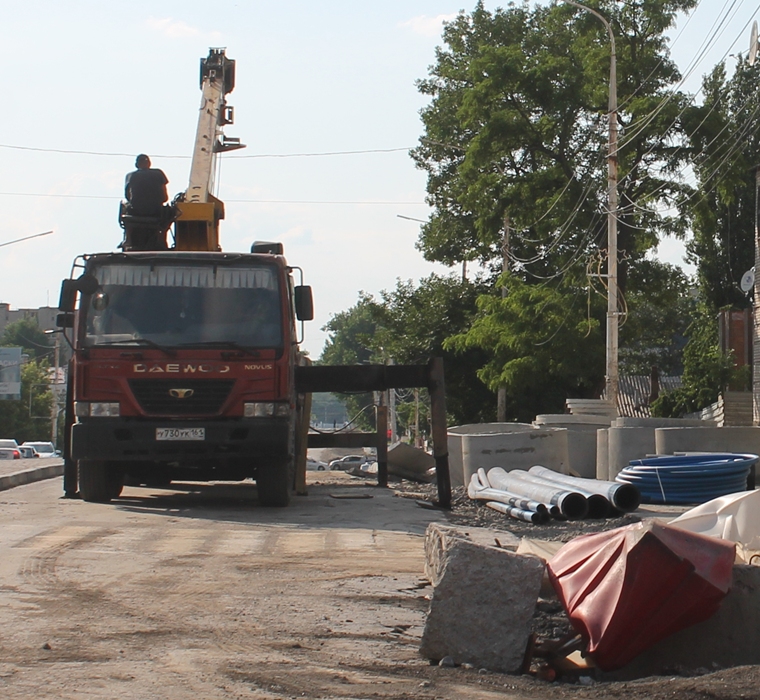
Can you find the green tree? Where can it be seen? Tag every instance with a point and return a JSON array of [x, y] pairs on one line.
[[516, 126], [707, 370], [414, 323], [516, 129], [660, 308], [410, 325], [350, 342], [725, 138], [26, 334], [543, 347], [29, 417]]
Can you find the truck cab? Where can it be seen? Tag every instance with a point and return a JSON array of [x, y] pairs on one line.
[[183, 368]]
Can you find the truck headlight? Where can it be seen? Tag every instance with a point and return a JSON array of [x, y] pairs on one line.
[[87, 409], [265, 409]]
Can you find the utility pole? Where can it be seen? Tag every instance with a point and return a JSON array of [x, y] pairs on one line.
[[612, 377], [501, 396]]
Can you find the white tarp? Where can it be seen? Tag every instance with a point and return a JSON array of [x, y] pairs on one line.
[[735, 517]]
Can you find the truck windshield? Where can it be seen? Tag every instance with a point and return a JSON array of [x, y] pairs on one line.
[[173, 305]]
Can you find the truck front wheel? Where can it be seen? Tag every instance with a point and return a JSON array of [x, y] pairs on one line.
[[274, 483], [100, 482]]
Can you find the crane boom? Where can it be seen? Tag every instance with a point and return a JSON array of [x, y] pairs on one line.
[[197, 226], [217, 80]]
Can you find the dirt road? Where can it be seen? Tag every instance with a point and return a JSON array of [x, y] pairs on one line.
[[197, 592]]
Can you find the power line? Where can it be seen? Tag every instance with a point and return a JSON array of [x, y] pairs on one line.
[[253, 155], [244, 201]]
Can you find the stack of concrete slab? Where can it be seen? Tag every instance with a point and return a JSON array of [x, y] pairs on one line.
[[506, 445], [592, 407], [581, 437]]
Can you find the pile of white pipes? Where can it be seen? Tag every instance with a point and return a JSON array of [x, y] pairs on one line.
[[540, 494]]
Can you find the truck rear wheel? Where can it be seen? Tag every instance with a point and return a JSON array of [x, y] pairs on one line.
[[274, 484], [100, 482]]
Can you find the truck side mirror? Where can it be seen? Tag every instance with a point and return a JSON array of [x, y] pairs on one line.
[[65, 320], [86, 284], [68, 298], [304, 303]]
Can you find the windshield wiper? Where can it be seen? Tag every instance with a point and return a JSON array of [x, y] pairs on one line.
[[140, 341], [223, 344]]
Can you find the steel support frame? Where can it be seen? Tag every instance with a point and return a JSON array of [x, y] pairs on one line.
[[366, 378]]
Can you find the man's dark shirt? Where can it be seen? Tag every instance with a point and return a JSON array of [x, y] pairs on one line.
[[145, 189]]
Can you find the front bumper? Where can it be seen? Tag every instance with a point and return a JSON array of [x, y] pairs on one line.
[[262, 440]]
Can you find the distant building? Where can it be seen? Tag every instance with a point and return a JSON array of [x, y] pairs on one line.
[[44, 317]]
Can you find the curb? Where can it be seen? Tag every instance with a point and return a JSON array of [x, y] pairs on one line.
[[29, 476]]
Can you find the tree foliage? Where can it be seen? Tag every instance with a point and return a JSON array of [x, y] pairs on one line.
[[409, 325], [517, 126], [725, 137], [660, 308], [29, 417], [516, 132], [707, 370], [542, 346], [724, 134], [413, 327], [350, 342], [27, 335]]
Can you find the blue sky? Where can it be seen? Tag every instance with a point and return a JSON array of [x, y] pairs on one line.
[[122, 78]]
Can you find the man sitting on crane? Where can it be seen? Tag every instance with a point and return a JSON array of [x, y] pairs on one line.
[[144, 217], [145, 188]]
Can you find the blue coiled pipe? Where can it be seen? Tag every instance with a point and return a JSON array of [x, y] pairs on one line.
[[685, 480]]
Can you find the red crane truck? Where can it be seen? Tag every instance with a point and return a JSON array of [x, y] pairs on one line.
[[184, 356]]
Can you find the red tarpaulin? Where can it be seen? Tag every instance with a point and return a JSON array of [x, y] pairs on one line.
[[626, 589]]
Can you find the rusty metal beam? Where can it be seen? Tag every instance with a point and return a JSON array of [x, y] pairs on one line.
[[358, 378], [365, 378]]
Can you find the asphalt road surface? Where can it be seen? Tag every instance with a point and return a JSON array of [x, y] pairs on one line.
[[197, 592]]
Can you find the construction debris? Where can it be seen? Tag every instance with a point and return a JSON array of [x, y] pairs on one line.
[[628, 588], [482, 603]]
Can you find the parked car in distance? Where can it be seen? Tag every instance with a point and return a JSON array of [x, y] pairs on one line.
[[12, 444], [314, 465], [27, 452], [43, 449], [345, 463], [9, 453]]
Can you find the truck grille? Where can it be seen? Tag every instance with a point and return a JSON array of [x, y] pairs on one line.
[[181, 397]]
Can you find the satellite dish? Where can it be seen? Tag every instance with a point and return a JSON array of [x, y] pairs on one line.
[[753, 45], [748, 281]]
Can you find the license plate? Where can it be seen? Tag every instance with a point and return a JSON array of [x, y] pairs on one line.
[[180, 433]]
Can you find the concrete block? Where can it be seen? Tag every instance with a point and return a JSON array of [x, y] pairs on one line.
[[626, 444], [28, 476], [482, 605], [731, 637], [603, 455], [454, 440], [518, 449], [727, 439], [438, 537], [581, 439]]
